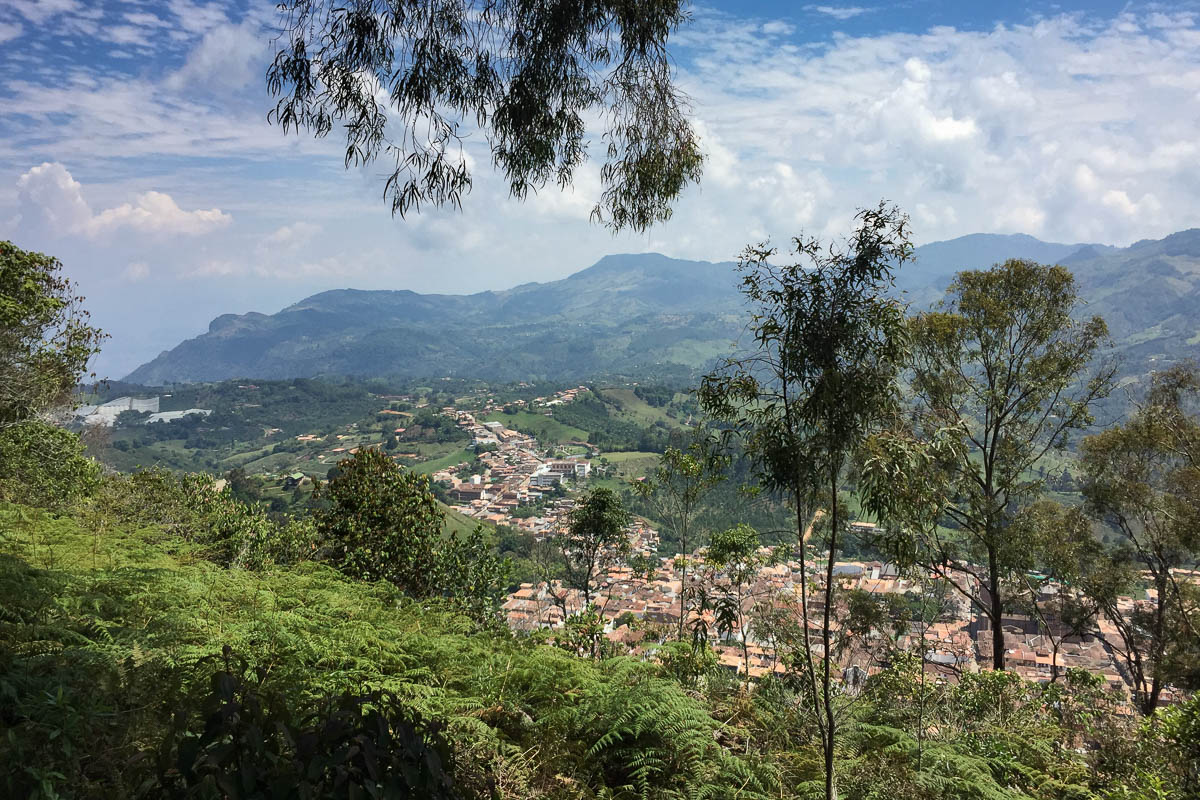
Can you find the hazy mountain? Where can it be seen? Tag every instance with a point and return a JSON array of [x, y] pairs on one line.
[[644, 314], [938, 261]]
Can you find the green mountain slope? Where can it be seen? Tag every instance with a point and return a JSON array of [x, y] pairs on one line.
[[645, 315]]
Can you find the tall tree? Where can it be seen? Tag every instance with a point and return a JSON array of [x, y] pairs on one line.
[[1003, 369], [1143, 478], [734, 557], [46, 340], [675, 490], [413, 78], [595, 539], [1066, 550], [828, 343]]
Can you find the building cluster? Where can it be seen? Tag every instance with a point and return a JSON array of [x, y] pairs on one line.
[[640, 610], [512, 474], [560, 398]]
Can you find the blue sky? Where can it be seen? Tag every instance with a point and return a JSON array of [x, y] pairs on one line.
[[133, 145]]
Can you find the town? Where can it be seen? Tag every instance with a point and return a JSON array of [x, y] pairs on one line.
[[640, 610]]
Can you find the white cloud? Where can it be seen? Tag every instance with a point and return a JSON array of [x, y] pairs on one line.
[[227, 57], [9, 31], [286, 243], [290, 237], [126, 34], [197, 17], [136, 271], [213, 268], [333, 268], [1072, 128], [39, 11], [155, 212], [50, 190], [838, 12]]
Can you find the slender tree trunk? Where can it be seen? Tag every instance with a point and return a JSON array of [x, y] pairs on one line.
[[812, 671], [997, 608], [1160, 645], [683, 587], [745, 644], [826, 656], [921, 701]]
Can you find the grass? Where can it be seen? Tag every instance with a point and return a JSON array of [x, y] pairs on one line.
[[546, 430], [457, 522], [629, 464], [448, 460], [616, 484], [631, 408]]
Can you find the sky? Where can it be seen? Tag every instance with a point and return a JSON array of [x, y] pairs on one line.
[[134, 147]]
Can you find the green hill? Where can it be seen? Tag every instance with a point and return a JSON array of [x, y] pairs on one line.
[[648, 316]]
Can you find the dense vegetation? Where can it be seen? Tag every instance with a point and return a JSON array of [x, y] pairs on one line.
[[114, 628], [161, 636]]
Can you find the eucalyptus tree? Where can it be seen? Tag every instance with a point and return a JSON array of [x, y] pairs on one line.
[[1067, 553], [819, 378], [413, 79], [1143, 479], [734, 558], [595, 539], [1002, 373], [675, 490]]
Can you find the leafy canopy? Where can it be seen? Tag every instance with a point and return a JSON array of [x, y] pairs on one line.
[[595, 539], [1002, 374], [45, 339], [409, 79], [1143, 479], [383, 522]]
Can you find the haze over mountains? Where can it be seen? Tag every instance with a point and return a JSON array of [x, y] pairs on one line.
[[648, 315]]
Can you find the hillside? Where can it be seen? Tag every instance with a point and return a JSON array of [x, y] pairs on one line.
[[645, 315]]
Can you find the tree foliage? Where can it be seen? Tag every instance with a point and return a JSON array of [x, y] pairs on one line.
[[383, 522], [675, 489], [43, 465], [594, 540], [820, 378], [528, 76], [1143, 478], [46, 340], [1004, 371]]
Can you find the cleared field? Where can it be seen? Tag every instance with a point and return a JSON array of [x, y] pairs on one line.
[[547, 430], [630, 464], [449, 460], [458, 523], [628, 406]]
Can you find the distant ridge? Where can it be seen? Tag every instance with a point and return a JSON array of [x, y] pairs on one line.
[[646, 315]]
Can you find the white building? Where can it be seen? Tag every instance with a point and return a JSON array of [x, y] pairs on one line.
[[106, 413]]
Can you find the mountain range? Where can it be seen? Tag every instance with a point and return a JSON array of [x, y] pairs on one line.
[[648, 315]]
